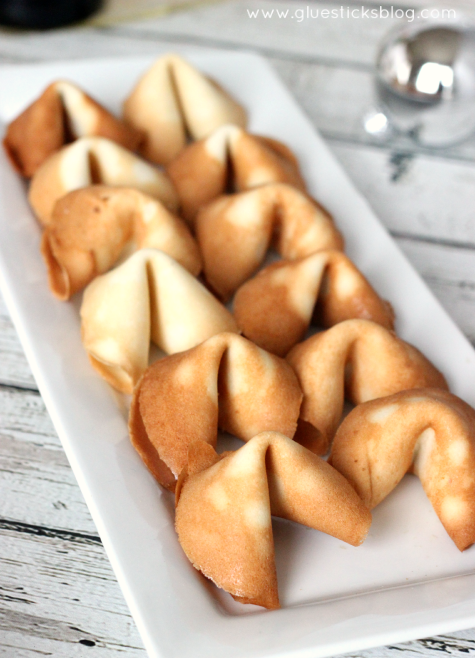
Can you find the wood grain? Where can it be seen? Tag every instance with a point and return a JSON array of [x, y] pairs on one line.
[[14, 368]]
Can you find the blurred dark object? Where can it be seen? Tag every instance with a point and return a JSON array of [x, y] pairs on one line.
[[45, 14]]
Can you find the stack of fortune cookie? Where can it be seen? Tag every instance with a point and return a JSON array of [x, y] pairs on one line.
[[164, 220]]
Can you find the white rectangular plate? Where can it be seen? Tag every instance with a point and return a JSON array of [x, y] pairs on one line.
[[408, 580]]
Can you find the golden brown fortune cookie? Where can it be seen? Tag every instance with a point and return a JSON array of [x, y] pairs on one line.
[[61, 114], [362, 357], [235, 231], [94, 226], [230, 158], [425, 431], [173, 100], [224, 508], [149, 297], [227, 381], [275, 308], [92, 160]]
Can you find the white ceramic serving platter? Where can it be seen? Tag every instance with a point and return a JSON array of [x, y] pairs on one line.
[[408, 580]]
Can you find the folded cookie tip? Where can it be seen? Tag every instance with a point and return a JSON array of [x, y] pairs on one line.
[[427, 431], [62, 113], [229, 156], [236, 230], [173, 101], [276, 307], [225, 381], [149, 297], [223, 515], [91, 228], [357, 357], [95, 160]]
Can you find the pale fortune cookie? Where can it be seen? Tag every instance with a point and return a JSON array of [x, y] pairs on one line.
[[149, 297], [173, 100]]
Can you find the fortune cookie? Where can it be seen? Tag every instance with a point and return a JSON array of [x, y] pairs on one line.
[[149, 297], [224, 508], [61, 114], [362, 357], [227, 381], [425, 431], [275, 308], [229, 157], [93, 160], [235, 231], [172, 101], [92, 227]]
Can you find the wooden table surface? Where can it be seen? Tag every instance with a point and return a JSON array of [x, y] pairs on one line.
[[58, 594]]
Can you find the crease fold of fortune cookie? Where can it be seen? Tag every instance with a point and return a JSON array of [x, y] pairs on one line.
[[173, 100], [230, 157], [276, 307], [148, 297], [62, 111], [224, 508], [358, 357], [226, 382], [425, 431], [92, 160], [235, 232], [93, 227]]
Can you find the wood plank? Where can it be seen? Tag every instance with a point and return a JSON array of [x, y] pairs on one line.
[[57, 588], [62, 44], [56, 594], [450, 274], [14, 368], [59, 597], [117, 11], [37, 485], [421, 196], [458, 644]]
